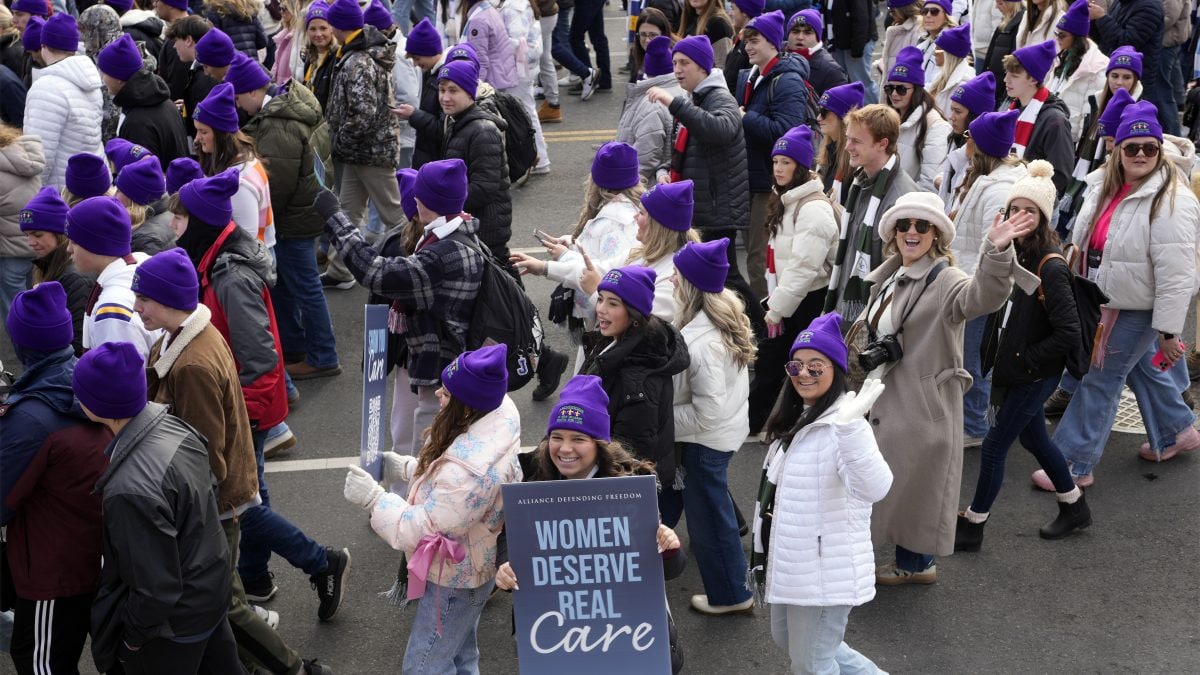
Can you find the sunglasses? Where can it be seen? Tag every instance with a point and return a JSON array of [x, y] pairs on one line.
[[931, 11], [815, 368], [1061, 35], [1132, 149], [921, 225], [898, 89]]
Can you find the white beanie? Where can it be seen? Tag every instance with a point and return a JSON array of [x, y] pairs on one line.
[[1037, 187], [920, 205]]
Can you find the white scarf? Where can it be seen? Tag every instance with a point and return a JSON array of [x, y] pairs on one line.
[[1026, 120]]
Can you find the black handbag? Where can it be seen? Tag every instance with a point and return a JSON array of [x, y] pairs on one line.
[[562, 303], [1088, 300]]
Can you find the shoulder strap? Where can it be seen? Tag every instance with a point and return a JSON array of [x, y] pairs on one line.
[[1041, 292]]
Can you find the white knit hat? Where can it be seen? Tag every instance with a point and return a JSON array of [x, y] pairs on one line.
[[1037, 187], [921, 205]]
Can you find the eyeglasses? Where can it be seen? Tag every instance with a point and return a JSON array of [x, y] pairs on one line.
[[931, 11], [647, 36], [815, 368], [1132, 149], [897, 89], [921, 225]]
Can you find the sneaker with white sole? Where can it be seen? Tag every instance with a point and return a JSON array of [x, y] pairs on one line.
[[700, 604], [569, 80], [260, 590], [280, 439], [590, 83], [329, 282], [890, 575], [271, 618]]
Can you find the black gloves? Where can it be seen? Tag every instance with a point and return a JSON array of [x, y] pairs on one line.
[[327, 204]]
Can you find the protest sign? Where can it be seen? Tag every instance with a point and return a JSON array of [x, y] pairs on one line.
[[591, 595], [375, 345]]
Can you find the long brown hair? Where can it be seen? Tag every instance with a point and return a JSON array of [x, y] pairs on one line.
[[8, 134], [1069, 59], [839, 163], [57, 262], [775, 209], [920, 104], [450, 422], [612, 460], [906, 12], [656, 18], [712, 9], [228, 149]]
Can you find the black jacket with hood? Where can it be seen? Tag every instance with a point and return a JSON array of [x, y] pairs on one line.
[[1051, 141], [151, 118]]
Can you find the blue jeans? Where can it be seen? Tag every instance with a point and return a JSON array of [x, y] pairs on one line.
[[300, 308], [560, 45], [977, 398], [456, 649], [814, 638], [712, 527], [588, 20], [264, 532], [859, 69], [1020, 416], [1166, 95], [402, 9], [14, 278], [1087, 422], [911, 561]]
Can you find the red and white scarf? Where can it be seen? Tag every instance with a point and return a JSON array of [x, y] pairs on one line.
[[1027, 118]]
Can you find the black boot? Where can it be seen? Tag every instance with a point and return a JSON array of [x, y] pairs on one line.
[[968, 536], [550, 370], [1071, 517]]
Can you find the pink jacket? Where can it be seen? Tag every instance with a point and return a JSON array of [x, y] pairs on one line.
[[485, 30], [281, 72], [458, 497]]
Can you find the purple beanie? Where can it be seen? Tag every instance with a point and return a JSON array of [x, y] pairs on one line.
[[479, 378], [1110, 119], [946, 5], [1037, 59], [583, 407], [46, 212], [406, 179], [32, 39], [60, 32], [824, 335], [977, 95], [39, 319], [219, 109], [463, 73], [796, 144], [463, 51], [423, 40], [246, 75], [1125, 57], [181, 5], [634, 285], [751, 8], [100, 225], [768, 25], [1075, 20], [87, 175], [120, 6], [378, 16], [317, 10], [908, 67], [670, 204], [110, 381], [182, 171], [34, 7], [215, 49], [994, 132], [658, 57], [345, 15], [210, 200], [1139, 120], [142, 181], [897, 4], [121, 152], [956, 41], [168, 278], [615, 166], [441, 186], [808, 17], [843, 98], [698, 49], [120, 59], [705, 265]]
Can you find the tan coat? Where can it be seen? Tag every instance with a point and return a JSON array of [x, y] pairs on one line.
[[894, 39], [918, 420]]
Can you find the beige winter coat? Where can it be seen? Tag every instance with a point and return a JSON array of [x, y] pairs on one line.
[[918, 419], [21, 166], [895, 39], [1176, 25]]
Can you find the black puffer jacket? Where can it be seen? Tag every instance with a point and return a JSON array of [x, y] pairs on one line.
[[1051, 141], [853, 25], [637, 374], [774, 104], [429, 141], [362, 128], [12, 52], [825, 72], [248, 36], [322, 79], [715, 156], [1004, 42], [151, 118], [154, 235], [1038, 337]]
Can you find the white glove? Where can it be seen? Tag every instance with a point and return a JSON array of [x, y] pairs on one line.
[[854, 407], [361, 489], [397, 468]]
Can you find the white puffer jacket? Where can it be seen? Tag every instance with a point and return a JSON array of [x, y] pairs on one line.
[[934, 150], [985, 19], [804, 247], [820, 552], [65, 107], [988, 194], [1146, 264], [712, 397], [647, 125], [1075, 90]]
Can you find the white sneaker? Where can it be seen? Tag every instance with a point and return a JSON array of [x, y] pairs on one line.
[[569, 80], [589, 85], [271, 618], [541, 170], [700, 604]]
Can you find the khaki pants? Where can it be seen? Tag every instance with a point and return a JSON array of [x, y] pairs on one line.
[[356, 184], [756, 244], [258, 644]]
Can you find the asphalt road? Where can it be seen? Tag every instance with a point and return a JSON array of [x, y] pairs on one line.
[[1120, 597]]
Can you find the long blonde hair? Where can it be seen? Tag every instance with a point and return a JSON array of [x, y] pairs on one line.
[[949, 63], [982, 164], [726, 312], [595, 197], [659, 243], [239, 10], [712, 8]]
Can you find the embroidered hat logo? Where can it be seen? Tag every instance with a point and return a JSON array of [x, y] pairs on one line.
[[1123, 60], [900, 70], [1139, 128], [613, 277], [25, 217], [781, 144], [804, 337], [571, 414]]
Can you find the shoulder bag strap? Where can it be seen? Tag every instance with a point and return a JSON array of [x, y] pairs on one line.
[[1041, 291]]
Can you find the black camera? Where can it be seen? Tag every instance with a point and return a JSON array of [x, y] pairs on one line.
[[886, 349]]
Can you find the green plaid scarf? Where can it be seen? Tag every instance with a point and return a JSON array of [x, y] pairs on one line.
[[848, 289]]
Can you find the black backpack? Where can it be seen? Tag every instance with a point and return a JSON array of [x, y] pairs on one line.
[[504, 314], [519, 145]]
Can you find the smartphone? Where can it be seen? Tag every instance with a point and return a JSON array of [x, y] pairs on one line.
[[544, 238], [1160, 362]]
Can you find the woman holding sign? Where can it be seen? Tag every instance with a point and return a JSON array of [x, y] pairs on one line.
[[448, 525], [822, 474], [578, 445]]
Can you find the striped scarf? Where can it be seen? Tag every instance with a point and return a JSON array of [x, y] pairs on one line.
[[764, 510], [1026, 120], [849, 296]]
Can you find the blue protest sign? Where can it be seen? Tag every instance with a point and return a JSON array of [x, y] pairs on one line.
[[375, 345], [592, 598]]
